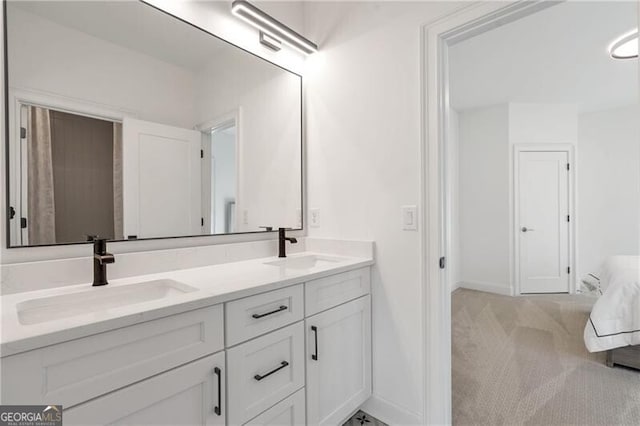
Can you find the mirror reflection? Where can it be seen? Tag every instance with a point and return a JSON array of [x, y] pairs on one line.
[[128, 123]]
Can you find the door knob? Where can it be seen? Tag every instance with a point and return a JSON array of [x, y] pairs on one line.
[[525, 229]]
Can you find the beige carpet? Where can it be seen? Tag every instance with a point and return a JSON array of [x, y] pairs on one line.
[[522, 361]]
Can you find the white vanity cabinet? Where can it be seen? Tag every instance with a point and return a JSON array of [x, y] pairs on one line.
[[189, 395], [339, 365], [296, 355]]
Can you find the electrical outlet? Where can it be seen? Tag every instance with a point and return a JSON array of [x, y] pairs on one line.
[[409, 215], [314, 218]]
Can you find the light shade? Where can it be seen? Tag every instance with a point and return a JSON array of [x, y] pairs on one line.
[[626, 46], [271, 26]]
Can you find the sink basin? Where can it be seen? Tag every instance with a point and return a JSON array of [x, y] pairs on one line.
[[305, 262], [95, 299]]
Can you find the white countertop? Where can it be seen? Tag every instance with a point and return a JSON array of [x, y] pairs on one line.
[[214, 284]]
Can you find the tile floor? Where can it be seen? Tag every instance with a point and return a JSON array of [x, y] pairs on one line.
[[361, 418]]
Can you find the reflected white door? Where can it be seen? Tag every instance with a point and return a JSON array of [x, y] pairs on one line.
[[543, 226], [161, 180]]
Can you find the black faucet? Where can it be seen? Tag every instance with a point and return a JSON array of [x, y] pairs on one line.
[[282, 239], [100, 260]]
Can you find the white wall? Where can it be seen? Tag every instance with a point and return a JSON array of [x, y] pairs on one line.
[[270, 168], [531, 123], [608, 186], [91, 70], [484, 197], [487, 137], [363, 156]]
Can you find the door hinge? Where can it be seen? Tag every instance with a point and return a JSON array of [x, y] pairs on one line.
[[23, 133], [568, 218], [12, 212], [568, 269], [202, 221], [442, 263], [202, 153], [568, 166], [23, 222]]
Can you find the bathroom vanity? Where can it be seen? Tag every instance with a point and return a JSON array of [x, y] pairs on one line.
[[180, 131], [264, 341]]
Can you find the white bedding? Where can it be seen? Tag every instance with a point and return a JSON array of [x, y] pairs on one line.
[[615, 319]]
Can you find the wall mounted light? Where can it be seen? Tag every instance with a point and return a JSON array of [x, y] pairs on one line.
[[272, 31], [625, 46]]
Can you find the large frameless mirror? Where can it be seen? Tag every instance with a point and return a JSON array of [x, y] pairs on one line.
[[128, 123]]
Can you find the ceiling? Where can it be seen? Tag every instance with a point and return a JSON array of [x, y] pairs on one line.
[[133, 25], [557, 55]]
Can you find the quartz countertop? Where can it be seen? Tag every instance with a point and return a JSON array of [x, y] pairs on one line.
[[213, 285]]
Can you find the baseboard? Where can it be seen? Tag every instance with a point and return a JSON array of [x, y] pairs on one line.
[[389, 412], [504, 290]]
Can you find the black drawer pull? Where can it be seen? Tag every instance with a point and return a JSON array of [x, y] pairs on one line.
[[218, 408], [280, 309], [283, 364], [315, 337]]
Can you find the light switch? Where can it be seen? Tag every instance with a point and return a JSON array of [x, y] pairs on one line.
[[314, 218], [409, 218]]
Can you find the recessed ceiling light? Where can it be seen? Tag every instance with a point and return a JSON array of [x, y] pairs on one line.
[[626, 46]]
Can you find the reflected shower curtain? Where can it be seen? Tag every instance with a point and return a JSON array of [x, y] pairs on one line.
[[41, 218], [118, 226]]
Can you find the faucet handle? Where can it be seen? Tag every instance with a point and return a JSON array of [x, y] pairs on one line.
[[91, 237]]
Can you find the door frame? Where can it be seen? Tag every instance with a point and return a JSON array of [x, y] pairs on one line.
[[16, 151], [515, 207], [209, 126], [436, 38]]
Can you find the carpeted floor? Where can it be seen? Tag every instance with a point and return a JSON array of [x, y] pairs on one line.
[[522, 361]]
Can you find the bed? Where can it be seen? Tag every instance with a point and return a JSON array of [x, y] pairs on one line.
[[614, 323]]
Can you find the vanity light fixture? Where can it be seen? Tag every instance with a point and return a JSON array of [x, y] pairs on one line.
[[272, 30], [625, 46]]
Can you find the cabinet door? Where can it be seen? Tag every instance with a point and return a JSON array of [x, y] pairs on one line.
[[189, 395], [289, 412], [338, 362]]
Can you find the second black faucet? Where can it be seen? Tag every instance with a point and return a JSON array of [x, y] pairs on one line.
[[282, 239]]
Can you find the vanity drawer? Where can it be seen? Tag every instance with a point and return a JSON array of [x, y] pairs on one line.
[[263, 372], [325, 293], [75, 371], [255, 315], [290, 412]]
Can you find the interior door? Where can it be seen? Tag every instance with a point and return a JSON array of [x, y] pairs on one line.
[[161, 180], [543, 222]]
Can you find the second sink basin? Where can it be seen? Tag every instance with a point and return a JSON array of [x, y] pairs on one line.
[[305, 262], [95, 299]]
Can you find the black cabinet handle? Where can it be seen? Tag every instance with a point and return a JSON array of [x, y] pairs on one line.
[[218, 408], [280, 309], [283, 364], [315, 338]]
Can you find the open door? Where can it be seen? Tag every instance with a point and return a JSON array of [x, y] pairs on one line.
[[161, 180]]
